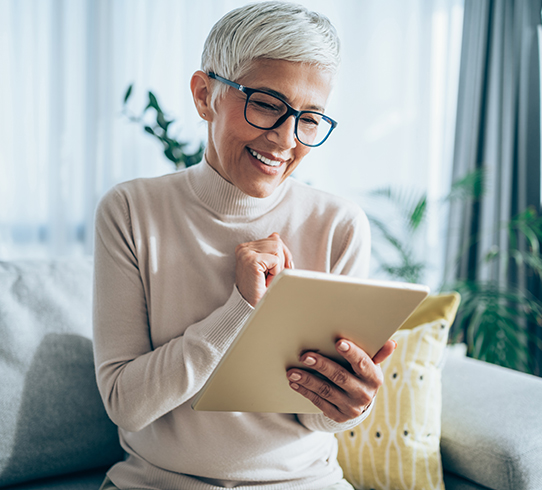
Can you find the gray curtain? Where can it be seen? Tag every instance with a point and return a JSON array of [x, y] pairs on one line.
[[498, 129]]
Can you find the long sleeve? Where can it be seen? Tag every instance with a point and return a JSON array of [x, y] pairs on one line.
[[139, 383], [166, 309]]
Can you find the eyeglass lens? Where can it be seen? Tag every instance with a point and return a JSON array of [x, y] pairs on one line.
[[264, 110]]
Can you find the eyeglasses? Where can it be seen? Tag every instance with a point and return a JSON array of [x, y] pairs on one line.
[[266, 111]]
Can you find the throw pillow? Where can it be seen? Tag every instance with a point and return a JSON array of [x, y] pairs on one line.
[[52, 419], [398, 446]]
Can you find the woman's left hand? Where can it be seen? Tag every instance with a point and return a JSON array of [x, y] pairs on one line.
[[342, 394]]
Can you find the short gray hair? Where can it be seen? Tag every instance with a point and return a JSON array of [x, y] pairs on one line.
[[270, 30]]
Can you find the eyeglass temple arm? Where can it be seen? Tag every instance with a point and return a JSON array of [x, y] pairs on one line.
[[226, 81]]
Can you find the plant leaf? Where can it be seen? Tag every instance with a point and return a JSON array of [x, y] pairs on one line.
[[391, 238], [153, 102], [417, 217], [162, 121], [472, 185], [412, 204], [128, 93]]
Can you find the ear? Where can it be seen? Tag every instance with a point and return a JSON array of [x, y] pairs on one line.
[[200, 85]]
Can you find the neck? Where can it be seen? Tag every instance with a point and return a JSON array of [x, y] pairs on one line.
[[224, 198]]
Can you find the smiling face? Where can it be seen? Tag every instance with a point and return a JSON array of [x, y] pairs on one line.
[[254, 160]]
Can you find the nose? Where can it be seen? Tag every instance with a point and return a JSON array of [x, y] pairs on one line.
[[284, 135]]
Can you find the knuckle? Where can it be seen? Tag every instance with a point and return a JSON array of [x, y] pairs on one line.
[[325, 390], [317, 401], [242, 249], [364, 363], [355, 411], [339, 377], [366, 399], [361, 398]]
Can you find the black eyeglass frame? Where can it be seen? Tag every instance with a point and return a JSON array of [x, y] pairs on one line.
[[289, 112]]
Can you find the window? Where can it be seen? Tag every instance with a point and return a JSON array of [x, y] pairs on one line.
[[63, 141]]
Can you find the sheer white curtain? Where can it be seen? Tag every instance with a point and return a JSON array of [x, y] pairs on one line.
[[66, 66]]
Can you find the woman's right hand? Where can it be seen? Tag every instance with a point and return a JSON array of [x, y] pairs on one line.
[[257, 263]]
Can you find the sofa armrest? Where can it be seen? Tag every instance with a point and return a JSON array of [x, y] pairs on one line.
[[491, 425]]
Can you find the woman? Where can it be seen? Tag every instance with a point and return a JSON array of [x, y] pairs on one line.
[[181, 260]]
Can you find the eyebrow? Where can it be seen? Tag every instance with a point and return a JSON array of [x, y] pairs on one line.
[[280, 95]]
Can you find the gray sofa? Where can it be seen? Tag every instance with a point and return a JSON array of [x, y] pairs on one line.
[[55, 434]]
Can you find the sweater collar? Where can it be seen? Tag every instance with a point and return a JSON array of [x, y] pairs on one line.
[[225, 198]]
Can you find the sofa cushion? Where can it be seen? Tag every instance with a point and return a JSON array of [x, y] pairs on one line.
[[52, 420], [397, 446], [488, 435], [85, 480], [454, 482]]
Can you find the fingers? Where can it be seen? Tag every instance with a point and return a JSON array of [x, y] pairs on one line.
[[328, 409], [341, 393], [257, 263], [278, 255], [288, 257], [385, 351], [361, 362]]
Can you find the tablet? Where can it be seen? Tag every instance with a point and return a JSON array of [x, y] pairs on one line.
[[300, 311]]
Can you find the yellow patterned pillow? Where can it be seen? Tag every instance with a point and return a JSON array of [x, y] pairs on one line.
[[398, 446]]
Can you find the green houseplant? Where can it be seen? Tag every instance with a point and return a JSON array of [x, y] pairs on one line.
[[174, 149], [403, 260], [492, 319]]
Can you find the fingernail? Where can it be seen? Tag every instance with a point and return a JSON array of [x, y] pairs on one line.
[[394, 343], [343, 346], [295, 386], [294, 377], [309, 361]]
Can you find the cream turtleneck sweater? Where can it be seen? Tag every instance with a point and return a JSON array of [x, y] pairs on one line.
[[166, 309]]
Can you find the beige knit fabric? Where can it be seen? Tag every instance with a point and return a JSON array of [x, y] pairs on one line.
[[166, 309]]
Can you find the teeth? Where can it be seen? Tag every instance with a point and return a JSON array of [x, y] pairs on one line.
[[271, 163]]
